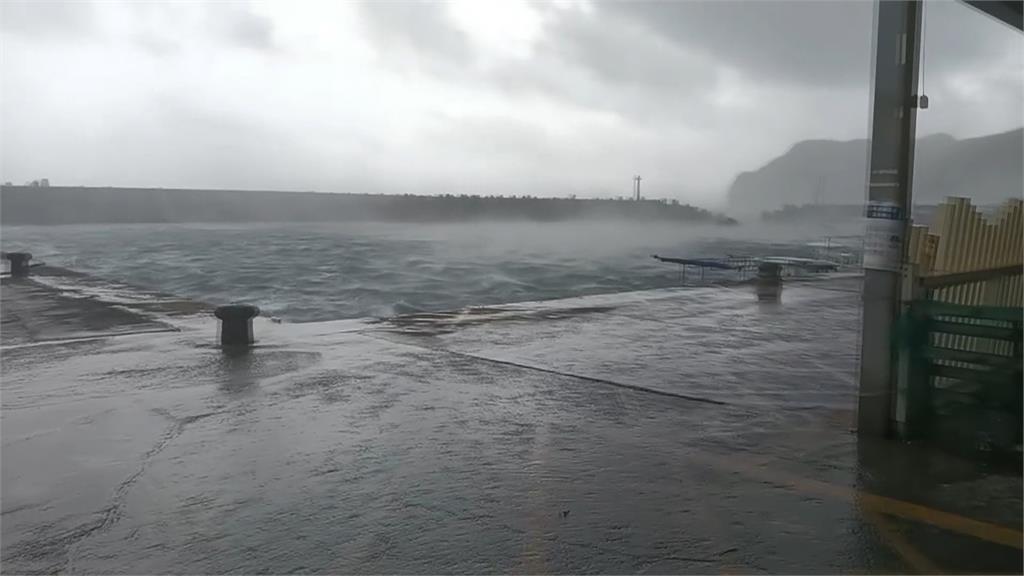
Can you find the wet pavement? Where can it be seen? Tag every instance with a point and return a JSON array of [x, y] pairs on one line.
[[670, 431], [60, 304]]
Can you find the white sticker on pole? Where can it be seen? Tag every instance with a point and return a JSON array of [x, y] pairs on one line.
[[883, 239]]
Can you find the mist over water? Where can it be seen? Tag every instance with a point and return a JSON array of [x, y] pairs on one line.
[[326, 271]]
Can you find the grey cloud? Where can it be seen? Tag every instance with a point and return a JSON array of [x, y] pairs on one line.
[[245, 28], [415, 29], [811, 42], [596, 63], [185, 144], [222, 22], [502, 140], [50, 19], [593, 61], [653, 61], [496, 145], [156, 45], [792, 41], [675, 44], [621, 89], [627, 57], [958, 37]]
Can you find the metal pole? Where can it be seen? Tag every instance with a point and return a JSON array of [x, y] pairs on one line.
[[890, 175]]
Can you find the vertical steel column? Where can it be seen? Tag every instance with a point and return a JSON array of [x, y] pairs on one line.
[[890, 175]]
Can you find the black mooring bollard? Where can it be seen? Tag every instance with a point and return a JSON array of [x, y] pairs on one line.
[[769, 282], [19, 262], [236, 324]]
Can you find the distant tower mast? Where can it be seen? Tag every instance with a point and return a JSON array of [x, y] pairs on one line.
[[636, 187]]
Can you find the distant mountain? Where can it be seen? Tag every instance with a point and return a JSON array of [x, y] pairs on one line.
[[986, 169]]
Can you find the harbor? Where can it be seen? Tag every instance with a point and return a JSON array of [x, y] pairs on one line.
[[652, 431], [356, 289]]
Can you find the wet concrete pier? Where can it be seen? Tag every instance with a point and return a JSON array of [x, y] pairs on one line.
[[672, 431]]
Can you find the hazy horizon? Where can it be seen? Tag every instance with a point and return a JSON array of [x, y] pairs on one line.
[[509, 98]]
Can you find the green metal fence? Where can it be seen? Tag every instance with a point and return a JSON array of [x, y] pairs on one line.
[[963, 375]]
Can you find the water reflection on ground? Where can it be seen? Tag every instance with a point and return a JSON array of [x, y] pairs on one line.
[[667, 431]]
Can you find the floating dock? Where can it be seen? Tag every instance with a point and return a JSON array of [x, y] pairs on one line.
[[669, 431]]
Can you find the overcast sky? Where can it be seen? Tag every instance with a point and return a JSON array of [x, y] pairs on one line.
[[468, 96]]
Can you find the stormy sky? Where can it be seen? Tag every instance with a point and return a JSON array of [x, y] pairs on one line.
[[502, 97]]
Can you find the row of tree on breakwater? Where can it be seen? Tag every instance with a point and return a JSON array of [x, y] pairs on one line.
[[81, 205]]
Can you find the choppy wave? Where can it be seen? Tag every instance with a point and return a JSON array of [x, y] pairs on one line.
[[309, 272]]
